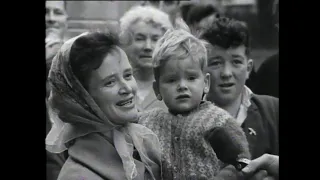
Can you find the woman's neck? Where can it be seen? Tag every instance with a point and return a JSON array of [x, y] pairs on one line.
[[143, 74]]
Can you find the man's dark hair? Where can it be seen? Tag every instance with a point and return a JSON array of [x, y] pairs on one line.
[[227, 33], [199, 12], [88, 52]]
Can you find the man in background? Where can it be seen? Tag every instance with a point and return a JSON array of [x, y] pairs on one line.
[[267, 78], [56, 27]]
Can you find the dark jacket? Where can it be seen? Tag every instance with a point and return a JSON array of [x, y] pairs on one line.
[[267, 77], [250, 82], [262, 125]]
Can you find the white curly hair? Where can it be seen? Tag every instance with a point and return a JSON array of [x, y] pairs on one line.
[[148, 14]]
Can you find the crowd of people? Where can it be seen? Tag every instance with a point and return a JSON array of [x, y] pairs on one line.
[[171, 96]]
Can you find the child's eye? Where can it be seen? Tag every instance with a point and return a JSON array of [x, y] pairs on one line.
[[236, 61], [214, 63], [191, 78]]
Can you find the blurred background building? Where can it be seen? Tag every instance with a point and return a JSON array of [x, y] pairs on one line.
[[90, 15]]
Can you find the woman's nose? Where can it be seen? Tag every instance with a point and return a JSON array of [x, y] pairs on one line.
[[125, 88], [148, 46]]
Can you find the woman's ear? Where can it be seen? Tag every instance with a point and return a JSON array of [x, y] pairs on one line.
[[206, 83]]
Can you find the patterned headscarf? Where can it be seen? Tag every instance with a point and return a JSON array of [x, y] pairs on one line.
[[75, 114]]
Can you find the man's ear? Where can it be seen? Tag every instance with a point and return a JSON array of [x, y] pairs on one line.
[[249, 67], [156, 90], [206, 83]]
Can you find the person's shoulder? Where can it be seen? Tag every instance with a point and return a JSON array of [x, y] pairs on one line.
[[273, 58], [269, 64], [268, 106], [73, 170], [265, 100], [213, 109], [151, 115], [213, 115]]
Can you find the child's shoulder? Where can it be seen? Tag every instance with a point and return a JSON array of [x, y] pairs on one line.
[[213, 115], [152, 115], [211, 108]]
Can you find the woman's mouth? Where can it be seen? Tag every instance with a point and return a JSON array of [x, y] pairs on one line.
[[126, 102]]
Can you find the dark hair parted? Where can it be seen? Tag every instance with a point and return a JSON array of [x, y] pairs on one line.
[[88, 52], [227, 32]]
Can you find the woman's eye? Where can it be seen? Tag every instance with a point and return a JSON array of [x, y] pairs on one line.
[[128, 76], [109, 83]]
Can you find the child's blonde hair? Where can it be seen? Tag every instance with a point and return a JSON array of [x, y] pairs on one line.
[[178, 44]]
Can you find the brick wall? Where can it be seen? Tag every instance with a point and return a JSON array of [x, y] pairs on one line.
[[86, 15]]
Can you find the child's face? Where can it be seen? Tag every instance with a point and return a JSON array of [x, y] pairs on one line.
[[181, 84]]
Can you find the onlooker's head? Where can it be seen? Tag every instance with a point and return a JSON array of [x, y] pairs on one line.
[[104, 71], [200, 16], [228, 59], [179, 69], [144, 25], [56, 18], [180, 12]]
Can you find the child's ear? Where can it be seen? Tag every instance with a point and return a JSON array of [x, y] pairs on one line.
[[249, 67], [156, 90], [206, 83]]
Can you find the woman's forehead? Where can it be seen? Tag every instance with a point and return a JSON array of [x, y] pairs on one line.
[[55, 4], [145, 26]]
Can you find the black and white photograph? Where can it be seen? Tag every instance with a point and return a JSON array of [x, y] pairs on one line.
[[162, 90]]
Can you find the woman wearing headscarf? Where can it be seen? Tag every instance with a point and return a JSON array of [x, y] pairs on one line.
[[92, 105]]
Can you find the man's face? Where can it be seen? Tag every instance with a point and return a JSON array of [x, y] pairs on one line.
[[56, 18], [229, 70], [145, 36]]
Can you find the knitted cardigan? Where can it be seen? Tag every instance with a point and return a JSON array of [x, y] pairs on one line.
[[185, 152]]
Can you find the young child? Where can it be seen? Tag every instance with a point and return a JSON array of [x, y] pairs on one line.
[[180, 81]]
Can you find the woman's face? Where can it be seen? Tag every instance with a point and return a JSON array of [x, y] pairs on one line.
[[113, 88], [145, 37]]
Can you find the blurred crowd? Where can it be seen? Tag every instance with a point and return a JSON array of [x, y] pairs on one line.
[[147, 102]]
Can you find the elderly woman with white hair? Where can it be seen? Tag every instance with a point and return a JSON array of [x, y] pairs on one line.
[[143, 26]]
